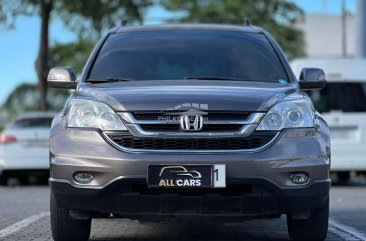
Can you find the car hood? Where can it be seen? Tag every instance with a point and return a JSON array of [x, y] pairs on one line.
[[185, 94]]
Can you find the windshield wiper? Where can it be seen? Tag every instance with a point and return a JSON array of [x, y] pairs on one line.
[[109, 79], [214, 78]]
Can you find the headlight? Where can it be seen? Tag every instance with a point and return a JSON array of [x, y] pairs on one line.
[[88, 113], [289, 114]]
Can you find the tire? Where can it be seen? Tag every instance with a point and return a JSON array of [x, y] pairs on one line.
[[64, 228], [3, 180], [274, 216], [42, 180], [23, 180], [315, 228], [343, 176]]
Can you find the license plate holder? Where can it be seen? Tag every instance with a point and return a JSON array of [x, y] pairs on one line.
[[186, 176]]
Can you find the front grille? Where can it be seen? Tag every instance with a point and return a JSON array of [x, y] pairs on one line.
[[206, 128], [213, 121], [254, 141], [211, 115]]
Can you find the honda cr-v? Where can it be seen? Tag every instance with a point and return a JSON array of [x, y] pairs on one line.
[[189, 120]]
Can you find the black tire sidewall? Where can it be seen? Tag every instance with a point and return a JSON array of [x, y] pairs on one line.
[[315, 228], [64, 228]]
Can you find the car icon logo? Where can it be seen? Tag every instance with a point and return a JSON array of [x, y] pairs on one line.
[[180, 171], [191, 122]]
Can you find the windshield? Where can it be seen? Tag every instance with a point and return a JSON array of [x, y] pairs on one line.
[[180, 54], [346, 97]]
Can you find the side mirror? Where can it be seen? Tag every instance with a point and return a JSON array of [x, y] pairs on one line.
[[312, 79], [61, 77]]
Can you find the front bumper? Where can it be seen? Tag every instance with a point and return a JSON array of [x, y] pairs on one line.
[[257, 183]]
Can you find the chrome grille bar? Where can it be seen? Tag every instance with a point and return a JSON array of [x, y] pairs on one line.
[[248, 126], [254, 118]]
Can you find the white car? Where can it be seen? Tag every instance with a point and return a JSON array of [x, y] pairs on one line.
[[24, 147], [343, 105]]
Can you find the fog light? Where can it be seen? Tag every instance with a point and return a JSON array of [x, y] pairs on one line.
[[299, 178], [83, 177]]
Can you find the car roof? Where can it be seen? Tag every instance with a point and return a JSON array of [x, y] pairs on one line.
[[336, 69], [209, 27]]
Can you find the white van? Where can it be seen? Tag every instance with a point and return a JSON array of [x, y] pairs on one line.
[[343, 105]]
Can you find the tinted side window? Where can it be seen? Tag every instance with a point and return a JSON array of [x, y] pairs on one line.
[[346, 97], [173, 55], [32, 122]]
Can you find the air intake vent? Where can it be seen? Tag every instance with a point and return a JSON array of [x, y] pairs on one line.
[[128, 141]]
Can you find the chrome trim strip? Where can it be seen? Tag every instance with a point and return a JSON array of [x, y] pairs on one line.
[[226, 122], [254, 118], [131, 150], [136, 130], [127, 117], [88, 186], [249, 126]]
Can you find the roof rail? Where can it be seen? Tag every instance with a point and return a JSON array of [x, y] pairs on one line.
[[247, 22]]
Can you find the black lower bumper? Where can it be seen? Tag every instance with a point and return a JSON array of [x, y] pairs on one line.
[[242, 197], [25, 172]]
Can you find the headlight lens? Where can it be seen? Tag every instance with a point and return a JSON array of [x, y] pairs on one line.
[[289, 114], [88, 113]]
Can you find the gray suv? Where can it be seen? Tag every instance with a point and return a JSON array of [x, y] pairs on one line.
[[189, 120]]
